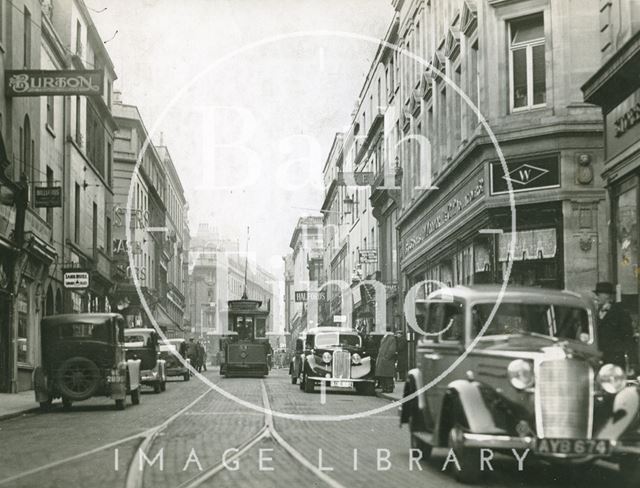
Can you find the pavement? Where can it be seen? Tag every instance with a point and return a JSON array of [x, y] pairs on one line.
[[16, 404], [398, 390]]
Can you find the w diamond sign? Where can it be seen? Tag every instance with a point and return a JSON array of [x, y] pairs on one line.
[[525, 175]]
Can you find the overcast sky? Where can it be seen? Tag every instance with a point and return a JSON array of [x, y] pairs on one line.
[[248, 117]]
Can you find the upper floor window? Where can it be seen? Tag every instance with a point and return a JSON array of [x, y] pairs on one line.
[[26, 39], [527, 62], [78, 38]]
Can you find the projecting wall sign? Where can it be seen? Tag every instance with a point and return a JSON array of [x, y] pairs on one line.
[[38, 83]]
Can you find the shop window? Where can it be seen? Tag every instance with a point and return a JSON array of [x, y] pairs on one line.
[[527, 76], [24, 331], [626, 218]]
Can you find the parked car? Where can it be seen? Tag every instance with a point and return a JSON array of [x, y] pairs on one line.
[[173, 366], [534, 380], [83, 356], [335, 356], [143, 344], [297, 360]]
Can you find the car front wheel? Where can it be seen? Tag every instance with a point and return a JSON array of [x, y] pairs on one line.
[[163, 386], [422, 447], [468, 458], [120, 404], [309, 385], [157, 387], [294, 379], [630, 471]]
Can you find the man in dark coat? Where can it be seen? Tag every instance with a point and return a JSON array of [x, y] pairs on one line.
[[386, 362], [615, 332], [403, 354]]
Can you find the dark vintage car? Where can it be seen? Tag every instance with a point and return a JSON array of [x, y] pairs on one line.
[[143, 344], [169, 351], [83, 355], [335, 356], [532, 384], [297, 360]]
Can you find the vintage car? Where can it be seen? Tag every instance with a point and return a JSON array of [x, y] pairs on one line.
[[169, 351], [295, 365], [143, 344], [335, 356], [532, 384], [83, 355]]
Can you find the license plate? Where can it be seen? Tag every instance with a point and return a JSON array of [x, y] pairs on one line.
[[600, 447], [341, 384]]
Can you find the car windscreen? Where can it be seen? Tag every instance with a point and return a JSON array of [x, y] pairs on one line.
[[328, 339], [98, 332], [563, 322], [135, 339]]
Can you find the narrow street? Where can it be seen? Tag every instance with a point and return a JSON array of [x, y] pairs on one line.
[[42, 449]]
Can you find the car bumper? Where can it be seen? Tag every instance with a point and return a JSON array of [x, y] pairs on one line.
[[150, 377], [176, 371], [499, 442], [351, 381]]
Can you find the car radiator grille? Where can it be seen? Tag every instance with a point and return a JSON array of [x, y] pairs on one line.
[[564, 399], [341, 364]]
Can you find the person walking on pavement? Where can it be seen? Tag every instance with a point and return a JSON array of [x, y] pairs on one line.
[[403, 359], [386, 362], [202, 357], [192, 353], [615, 331]]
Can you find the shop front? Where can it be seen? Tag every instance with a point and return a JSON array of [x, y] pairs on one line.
[[616, 88], [468, 235]]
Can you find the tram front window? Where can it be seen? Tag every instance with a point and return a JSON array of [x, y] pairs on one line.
[[244, 328]]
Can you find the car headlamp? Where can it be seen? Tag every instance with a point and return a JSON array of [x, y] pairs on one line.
[[355, 358], [612, 378], [326, 357], [521, 374]]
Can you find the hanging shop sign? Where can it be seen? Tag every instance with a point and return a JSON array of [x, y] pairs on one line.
[[76, 280], [536, 174], [368, 255], [304, 296], [47, 196], [444, 212], [358, 178], [38, 83]]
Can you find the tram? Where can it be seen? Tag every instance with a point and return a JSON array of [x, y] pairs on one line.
[[246, 351]]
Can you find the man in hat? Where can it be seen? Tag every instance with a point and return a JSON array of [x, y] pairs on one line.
[[615, 332]]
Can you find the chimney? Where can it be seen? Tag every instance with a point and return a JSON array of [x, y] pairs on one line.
[[117, 97]]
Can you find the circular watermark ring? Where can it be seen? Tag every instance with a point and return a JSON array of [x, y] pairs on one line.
[[482, 121]]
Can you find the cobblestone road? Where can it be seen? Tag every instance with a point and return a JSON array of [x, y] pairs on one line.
[[38, 450]]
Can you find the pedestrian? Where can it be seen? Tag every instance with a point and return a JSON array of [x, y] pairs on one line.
[[403, 355], [615, 332], [200, 356], [192, 353], [386, 362], [203, 356]]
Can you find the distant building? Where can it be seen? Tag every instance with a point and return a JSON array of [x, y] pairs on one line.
[[218, 275]]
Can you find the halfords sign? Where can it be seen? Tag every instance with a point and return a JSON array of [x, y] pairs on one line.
[[36, 83], [444, 212]]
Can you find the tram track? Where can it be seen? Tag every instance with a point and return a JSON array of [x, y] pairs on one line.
[[135, 475]]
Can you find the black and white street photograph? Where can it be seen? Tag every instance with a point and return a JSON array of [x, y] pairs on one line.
[[319, 243]]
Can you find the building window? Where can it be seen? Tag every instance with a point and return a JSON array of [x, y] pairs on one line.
[[109, 164], [527, 63], [50, 109], [78, 134], [26, 38], [107, 236], [50, 184], [94, 235], [24, 331], [78, 38], [76, 230], [625, 207]]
